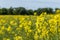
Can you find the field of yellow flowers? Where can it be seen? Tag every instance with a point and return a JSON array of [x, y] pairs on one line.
[[43, 27]]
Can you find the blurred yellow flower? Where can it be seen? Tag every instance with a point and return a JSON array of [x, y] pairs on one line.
[[36, 36], [29, 23], [3, 27], [13, 23], [1, 32], [6, 39], [9, 28], [17, 38], [29, 30]]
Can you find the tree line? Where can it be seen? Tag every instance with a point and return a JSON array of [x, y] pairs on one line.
[[23, 11]]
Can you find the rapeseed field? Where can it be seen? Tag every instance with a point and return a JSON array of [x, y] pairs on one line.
[[17, 27]]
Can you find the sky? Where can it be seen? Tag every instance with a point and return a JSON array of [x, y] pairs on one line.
[[30, 4]]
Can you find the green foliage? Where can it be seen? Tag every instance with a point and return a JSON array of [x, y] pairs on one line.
[[30, 12], [4, 11], [23, 11], [10, 11]]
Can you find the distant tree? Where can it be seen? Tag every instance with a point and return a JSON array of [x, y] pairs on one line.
[[50, 10], [57, 10], [4, 11], [0, 11], [23, 11], [10, 11], [39, 11], [47, 10], [30, 12], [44, 9], [20, 11], [15, 11]]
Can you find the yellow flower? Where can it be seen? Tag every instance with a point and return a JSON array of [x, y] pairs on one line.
[[52, 21], [3, 21], [36, 36], [29, 30], [38, 30], [47, 32], [35, 13], [41, 36], [2, 28], [9, 28], [5, 39], [20, 25], [26, 27], [53, 30], [59, 30], [29, 23], [13, 23], [8, 39], [27, 33], [17, 38], [1, 32]]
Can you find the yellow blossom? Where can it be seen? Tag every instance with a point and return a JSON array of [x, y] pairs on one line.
[[9, 28]]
